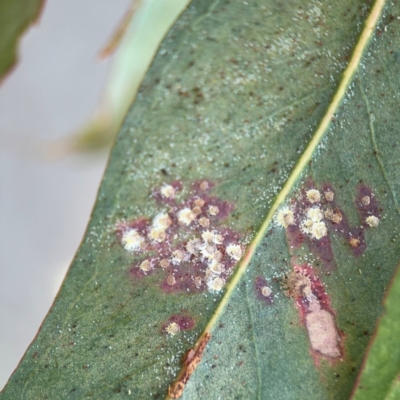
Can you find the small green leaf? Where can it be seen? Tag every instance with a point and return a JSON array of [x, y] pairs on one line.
[[380, 375], [15, 17], [135, 48], [263, 129]]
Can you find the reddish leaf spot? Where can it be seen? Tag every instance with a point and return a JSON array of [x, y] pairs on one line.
[[184, 321], [263, 290], [334, 220], [186, 242], [366, 204]]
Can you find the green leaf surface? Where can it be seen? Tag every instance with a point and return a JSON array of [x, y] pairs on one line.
[[380, 377], [260, 114], [15, 17]]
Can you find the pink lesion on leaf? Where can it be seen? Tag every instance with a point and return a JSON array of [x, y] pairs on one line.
[[354, 236], [314, 205], [316, 313], [184, 321], [179, 264], [263, 291], [335, 221], [189, 274], [323, 251], [367, 204], [140, 224]]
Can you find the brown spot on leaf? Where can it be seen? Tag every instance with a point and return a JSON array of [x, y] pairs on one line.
[[190, 363], [354, 242]]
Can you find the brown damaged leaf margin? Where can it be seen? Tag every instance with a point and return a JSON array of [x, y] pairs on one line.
[[176, 389], [192, 359]]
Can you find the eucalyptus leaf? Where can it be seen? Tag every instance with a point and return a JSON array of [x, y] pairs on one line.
[[15, 17], [266, 130], [381, 369]]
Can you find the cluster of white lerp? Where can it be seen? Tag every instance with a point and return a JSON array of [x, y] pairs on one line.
[[371, 220], [204, 248], [312, 222], [187, 215], [172, 328], [132, 240]]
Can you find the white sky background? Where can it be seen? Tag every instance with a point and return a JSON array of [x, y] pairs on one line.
[[45, 204]]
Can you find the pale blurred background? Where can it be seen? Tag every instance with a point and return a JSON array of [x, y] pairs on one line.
[[45, 204]]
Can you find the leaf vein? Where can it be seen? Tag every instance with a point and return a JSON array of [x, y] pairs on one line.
[[374, 144]]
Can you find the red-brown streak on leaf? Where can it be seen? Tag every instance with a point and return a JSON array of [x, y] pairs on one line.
[[190, 362], [366, 205]]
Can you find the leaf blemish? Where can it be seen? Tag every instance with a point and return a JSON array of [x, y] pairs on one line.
[[303, 221], [311, 218], [263, 290], [316, 312], [190, 363], [186, 243], [177, 323], [367, 206], [308, 208]]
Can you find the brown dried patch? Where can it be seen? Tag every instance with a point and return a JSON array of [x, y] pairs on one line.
[[354, 242], [190, 363]]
